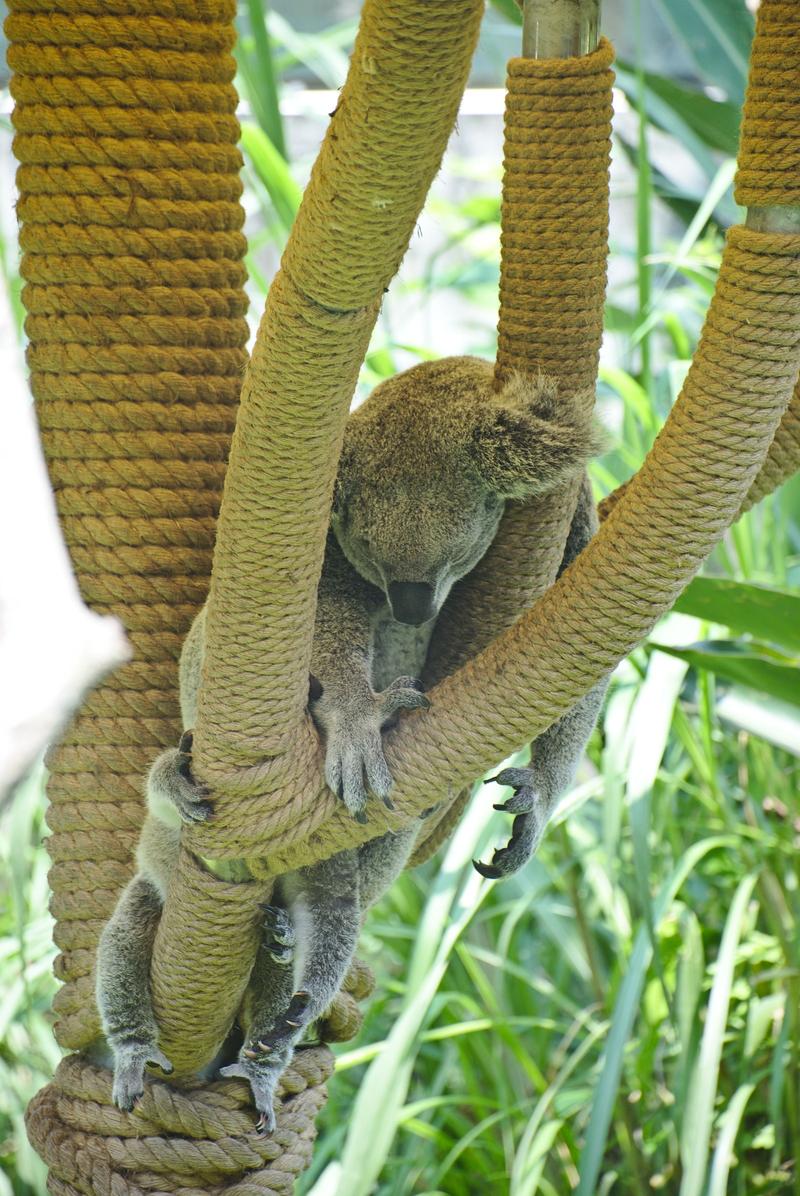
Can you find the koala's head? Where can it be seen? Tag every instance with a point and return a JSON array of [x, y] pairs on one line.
[[428, 463]]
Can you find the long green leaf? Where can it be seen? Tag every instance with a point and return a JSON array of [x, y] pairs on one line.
[[714, 122], [696, 1130], [760, 611], [625, 1010], [770, 719], [262, 84], [271, 168], [748, 666], [729, 1128], [717, 34]]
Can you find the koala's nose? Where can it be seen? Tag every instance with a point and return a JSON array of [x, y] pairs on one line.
[[411, 601]]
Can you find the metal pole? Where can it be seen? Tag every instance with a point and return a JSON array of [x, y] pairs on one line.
[[560, 28]]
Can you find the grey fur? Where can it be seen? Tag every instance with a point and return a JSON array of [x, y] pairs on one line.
[[557, 752], [427, 464]]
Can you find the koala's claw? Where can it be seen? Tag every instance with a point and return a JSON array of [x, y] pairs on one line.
[[129, 1064], [277, 1042], [279, 924], [265, 1125], [532, 810], [263, 1081], [279, 937], [405, 693], [190, 798]]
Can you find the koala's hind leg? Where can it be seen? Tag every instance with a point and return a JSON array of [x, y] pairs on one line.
[[556, 754], [555, 757], [380, 862], [123, 989], [323, 904]]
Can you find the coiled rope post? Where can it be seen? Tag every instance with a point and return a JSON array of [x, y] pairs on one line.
[[131, 229], [692, 485], [554, 246]]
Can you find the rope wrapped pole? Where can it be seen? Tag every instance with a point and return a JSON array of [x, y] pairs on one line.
[[554, 245], [134, 284], [254, 742]]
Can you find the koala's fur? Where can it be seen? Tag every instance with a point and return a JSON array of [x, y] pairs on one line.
[[428, 463]]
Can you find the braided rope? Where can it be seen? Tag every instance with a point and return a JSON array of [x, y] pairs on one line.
[[477, 612], [689, 490], [552, 289], [186, 1142], [769, 154], [597, 606], [254, 742], [134, 289]]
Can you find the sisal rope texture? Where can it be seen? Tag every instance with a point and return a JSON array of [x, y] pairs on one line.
[[692, 485]]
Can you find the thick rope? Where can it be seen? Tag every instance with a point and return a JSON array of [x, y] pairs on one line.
[[383, 147], [552, 290], [254, 742], [781, 463], [544, 155], [689, 490], [769, 154], [183, 1142], [129, 202]]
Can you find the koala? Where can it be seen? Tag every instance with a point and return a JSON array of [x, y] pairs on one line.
[[428, 464]]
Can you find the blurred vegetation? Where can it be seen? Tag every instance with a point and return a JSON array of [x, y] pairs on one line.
[[622, 1017]]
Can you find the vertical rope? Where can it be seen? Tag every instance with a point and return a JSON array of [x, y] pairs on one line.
[[132, 259], [552, 289]]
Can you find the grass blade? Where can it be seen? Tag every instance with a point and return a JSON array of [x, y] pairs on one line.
[[271, 169], [625, 1010], [696, 1133], [262, 84], [729, 1127]]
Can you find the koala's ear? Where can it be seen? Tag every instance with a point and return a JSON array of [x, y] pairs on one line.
[[529, 438]]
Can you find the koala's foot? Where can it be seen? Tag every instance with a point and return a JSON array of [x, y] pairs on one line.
[[532, 808], [354, 760], [262, 1073], [285, 1030], [171, 779], [129, 1064], [279, 936]]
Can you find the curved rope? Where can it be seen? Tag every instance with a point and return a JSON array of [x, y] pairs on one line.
[[253, 739], [705, 460]]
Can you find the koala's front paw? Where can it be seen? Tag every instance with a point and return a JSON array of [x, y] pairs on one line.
[[532, 806], [171, 779], [129, 1064], [354, 760], [262, 1073]]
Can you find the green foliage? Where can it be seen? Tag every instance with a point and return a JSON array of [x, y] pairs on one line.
[[622, 1017], [28, 1053]]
